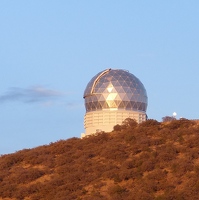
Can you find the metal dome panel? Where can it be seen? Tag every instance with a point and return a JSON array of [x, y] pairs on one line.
[[115, 89]]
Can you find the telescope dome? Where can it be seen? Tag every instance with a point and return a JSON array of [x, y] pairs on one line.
[[115, 89]]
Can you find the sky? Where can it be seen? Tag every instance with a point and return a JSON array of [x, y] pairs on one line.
[[49, 51]]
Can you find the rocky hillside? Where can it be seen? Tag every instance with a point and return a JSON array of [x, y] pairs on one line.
[[148, 161]]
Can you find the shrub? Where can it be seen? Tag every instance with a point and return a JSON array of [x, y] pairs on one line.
[[150, 123], [117, 192], [117, 128]]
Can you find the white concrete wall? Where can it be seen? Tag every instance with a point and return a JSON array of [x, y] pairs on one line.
[[105, 120]]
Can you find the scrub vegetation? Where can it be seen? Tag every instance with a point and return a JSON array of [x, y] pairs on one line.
[[147, 161]]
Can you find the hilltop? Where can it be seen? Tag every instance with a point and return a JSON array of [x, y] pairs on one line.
[[146, 161]]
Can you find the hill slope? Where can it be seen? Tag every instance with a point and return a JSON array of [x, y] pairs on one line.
[[151, 160]]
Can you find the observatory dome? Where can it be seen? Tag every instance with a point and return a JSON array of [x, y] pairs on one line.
[[115, 89]]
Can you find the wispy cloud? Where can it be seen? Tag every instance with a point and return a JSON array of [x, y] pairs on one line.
[[30, 95]]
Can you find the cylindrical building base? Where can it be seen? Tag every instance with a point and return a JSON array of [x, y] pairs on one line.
[[105, 120]]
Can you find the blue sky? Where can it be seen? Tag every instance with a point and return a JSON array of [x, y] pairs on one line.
[[49, 51]]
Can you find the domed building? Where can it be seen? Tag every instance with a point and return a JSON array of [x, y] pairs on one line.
[[111, 96]]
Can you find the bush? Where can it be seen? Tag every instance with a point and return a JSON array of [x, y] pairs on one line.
[[150, 123], [117, 192], [117, 128]]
